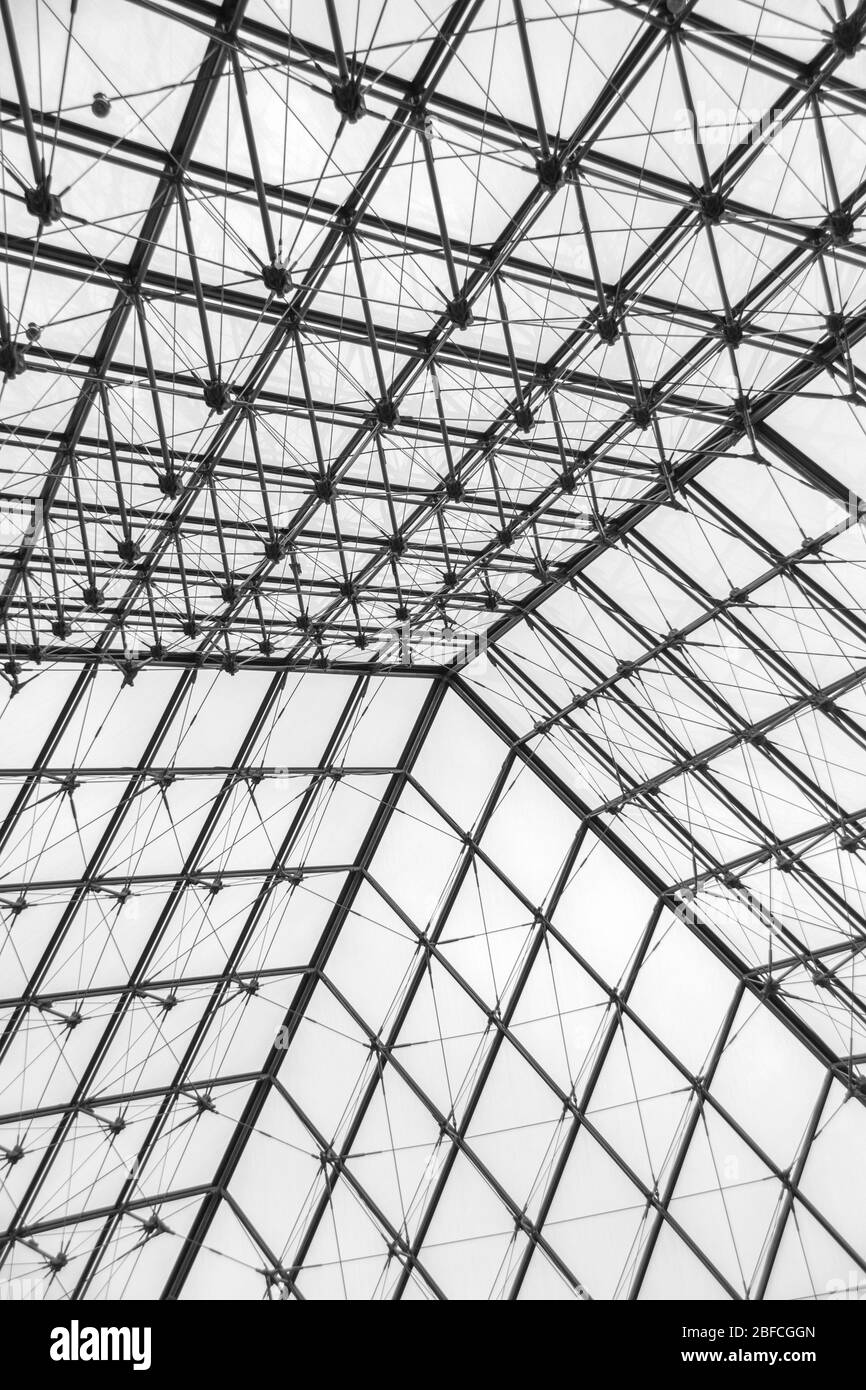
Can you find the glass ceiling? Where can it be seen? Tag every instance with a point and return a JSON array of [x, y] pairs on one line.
[[433, 608]]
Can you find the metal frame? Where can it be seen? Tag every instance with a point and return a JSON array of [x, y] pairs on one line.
[[241, 554]]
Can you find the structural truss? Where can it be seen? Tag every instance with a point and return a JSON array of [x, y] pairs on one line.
[[433, 642]]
